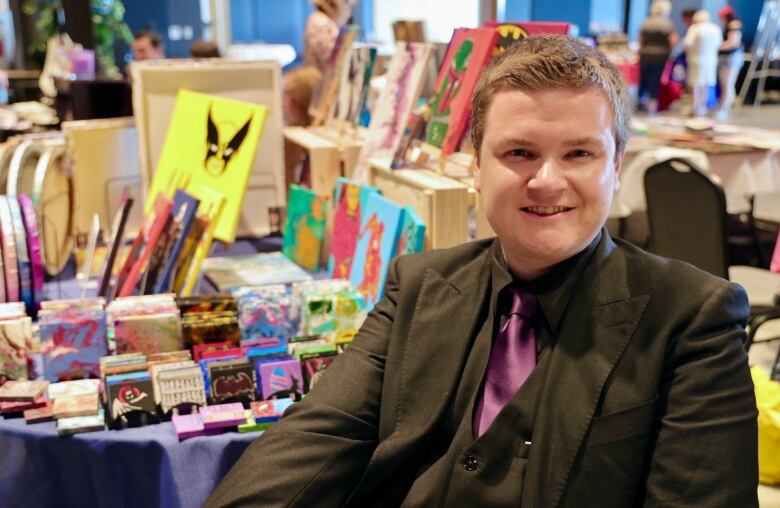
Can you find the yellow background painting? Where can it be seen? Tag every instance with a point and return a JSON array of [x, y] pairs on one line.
[[211, 144]]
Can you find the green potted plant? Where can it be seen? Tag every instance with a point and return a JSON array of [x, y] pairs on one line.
[[107, 25]]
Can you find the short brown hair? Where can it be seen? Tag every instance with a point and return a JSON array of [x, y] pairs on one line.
[[154, 38], [548, 61]]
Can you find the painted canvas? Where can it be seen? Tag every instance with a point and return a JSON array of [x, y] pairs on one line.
[[15, 334], [469, 52], [405, 77], [281, 379], [349, 198], [211, 143], [185, 206], [212, 205], [376, 246], [304, 227], [355, 84], [511, 32], [325, 94], [412, 237], [72, 343], [153, 333]]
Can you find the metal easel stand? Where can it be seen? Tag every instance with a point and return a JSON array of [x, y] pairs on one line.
[[766, 49]]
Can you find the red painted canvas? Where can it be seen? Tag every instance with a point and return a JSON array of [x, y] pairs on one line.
[[469, 52]]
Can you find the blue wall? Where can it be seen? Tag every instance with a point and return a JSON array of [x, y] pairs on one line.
[[517, 10], [750, 12], [158, 15]]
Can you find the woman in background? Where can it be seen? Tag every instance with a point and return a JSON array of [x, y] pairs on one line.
[[657, 38], [322, 28], [730, 59]]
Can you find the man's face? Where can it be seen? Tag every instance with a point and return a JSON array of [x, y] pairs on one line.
[[547, 173], [143, 50]]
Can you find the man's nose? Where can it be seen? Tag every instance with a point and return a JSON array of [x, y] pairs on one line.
[[548, 178]]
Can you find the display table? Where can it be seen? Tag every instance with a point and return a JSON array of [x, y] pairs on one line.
[[145, 466]]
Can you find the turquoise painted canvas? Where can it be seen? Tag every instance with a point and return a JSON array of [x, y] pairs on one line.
[[377, 241], [304, 227], [411, 239], [349, 201]]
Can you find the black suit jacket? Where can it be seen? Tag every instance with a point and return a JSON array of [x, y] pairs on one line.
[[649, 401]]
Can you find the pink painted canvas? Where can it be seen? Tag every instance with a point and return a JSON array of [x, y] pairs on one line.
[[405, 77]]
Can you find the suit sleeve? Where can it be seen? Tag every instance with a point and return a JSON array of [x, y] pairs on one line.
[[706, 451], [316, 454]]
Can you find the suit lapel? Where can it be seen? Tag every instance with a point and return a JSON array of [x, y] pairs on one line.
[[600, 322], [446, 317]]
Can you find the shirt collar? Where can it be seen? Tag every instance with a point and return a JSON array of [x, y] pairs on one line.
[[553, 289]]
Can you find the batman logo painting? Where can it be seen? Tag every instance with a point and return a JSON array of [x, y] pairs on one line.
[[219, 153], [233, 385], [508, 34]]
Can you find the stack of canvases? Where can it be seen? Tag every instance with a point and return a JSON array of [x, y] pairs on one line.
[[368, 232], [21, 276]]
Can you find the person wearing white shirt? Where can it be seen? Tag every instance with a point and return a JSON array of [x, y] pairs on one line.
[[701, 51]]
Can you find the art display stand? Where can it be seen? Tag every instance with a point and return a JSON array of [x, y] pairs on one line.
[[442, 203], [349, 140], [324, 158]]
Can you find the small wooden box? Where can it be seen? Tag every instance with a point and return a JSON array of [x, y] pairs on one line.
[[441, 202], [324, 158]]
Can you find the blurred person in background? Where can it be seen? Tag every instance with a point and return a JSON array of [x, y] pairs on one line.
[[657, 38], [204, 49], [701, 51], [322, 28], [147, 45], [730, 59], [299, 86]]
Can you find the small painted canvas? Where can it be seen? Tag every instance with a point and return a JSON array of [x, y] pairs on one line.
[[188, 426], [22, 390], [376, 247], [314, 366], [469, 52], [76, 405], [354, 86], [211, 143], [131, 395], [181, 386], [15, 335], [230, 272], [349, 198], [152, 333], [223, 415], [412, 237], [233, 381], [405, 78], [185, 206], [72, 343], [281, 379], [304, 227], [89, 423]]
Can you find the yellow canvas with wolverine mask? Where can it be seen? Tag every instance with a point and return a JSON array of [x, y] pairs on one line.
[[211, 143]]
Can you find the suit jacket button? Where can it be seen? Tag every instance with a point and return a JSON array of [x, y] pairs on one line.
[[471, 463]]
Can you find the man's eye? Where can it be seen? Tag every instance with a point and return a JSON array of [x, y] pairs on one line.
[[579, 153], [520, 152]]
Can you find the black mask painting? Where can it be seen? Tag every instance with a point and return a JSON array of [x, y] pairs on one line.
[[219, 155]]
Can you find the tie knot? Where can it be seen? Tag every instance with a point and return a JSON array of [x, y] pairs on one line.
[[523, 303]]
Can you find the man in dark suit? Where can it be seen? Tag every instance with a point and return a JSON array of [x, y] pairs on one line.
[[552, 366]]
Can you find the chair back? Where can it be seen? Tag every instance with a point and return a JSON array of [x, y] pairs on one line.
[[686, 210]]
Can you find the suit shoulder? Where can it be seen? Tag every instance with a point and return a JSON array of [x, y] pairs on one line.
[[444, 261], [652, 273]]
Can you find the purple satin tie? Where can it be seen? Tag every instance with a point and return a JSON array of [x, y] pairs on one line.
[[512, 360]]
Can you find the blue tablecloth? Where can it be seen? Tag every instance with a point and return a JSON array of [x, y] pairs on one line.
[[145, 466]]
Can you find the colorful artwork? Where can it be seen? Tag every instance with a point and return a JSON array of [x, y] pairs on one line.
[[210, 327], [89, 423], [188, 426], [469, 52], [72, 343], [281, 379], [148, 334], [230, 134], [185, 207], [314, 366], [15, 337], [412, 237], [266, 316], [181, 386], [22, 390], [355, 84], [325, 94], [376, 247], [222, 415], [236, 380], [212, 205], [405, 77], [131, 395], [228, 273], [350, 198], [304, 227], [511, 32]]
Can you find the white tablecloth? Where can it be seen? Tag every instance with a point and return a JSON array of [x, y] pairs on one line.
[[742, 175]]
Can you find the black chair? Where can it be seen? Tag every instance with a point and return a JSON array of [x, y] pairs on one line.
[[686, 210]]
